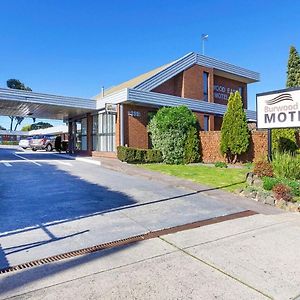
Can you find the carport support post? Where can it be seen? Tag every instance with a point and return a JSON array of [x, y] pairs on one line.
[[70, 137], [270, 144]]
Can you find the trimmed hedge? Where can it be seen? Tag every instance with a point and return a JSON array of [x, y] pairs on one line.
[[135, 155], [10, 143]]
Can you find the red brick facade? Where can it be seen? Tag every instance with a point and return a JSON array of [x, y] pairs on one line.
[[210, 146], [135, 126], [189, 84]]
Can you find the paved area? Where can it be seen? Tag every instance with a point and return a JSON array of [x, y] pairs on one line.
[[248, 258], [51, 204]]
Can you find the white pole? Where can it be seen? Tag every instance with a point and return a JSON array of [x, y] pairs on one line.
[[204, 37]]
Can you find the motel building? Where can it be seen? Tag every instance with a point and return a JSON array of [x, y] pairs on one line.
[[120, 115]]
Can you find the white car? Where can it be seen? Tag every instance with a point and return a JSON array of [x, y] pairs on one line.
[[24, 143]]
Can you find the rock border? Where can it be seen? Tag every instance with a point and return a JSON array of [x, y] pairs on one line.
[[255, 192]]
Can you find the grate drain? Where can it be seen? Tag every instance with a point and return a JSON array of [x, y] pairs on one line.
[[126, 241]]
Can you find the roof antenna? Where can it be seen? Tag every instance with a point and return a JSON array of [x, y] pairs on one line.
[[204, 37], [102, 91]]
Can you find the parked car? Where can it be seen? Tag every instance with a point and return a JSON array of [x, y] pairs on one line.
[[42, 142], [25, 143]]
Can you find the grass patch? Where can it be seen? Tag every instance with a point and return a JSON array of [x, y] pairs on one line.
[[211, 176]]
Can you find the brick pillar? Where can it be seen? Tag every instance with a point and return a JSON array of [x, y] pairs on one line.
[[70, 137], [89, 132], [211, 87], [211, 123]]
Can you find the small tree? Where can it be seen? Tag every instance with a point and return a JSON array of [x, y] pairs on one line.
[[16, 85], [293, 69], [26, 128], [172, 133], [284, 140], [234, 132]]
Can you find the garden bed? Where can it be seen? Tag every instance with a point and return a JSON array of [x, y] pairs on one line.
[[255, 191]]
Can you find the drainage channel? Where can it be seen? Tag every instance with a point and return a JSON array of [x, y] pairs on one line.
[[127, 241]]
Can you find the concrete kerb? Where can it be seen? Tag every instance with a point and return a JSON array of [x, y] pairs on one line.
[[78, 158]]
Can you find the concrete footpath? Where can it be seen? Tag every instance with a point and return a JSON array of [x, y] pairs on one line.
[[254, 257]]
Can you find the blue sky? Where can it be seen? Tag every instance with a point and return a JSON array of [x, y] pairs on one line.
[[73, 47]]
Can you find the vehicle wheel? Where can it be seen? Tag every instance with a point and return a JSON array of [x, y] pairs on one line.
[[48, 148], [33, 149]]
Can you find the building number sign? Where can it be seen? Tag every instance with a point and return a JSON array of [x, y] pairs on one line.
[[134, 113]]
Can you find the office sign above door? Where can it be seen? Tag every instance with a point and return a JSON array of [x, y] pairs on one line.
[[111, 108], [278, 109]]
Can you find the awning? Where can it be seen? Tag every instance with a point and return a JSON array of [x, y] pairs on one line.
[[37, 105]]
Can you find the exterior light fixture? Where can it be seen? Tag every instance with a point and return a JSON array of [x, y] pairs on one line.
[[204, 37]]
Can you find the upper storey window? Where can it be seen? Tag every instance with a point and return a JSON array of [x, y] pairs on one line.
[[241, 90], [205, 86]]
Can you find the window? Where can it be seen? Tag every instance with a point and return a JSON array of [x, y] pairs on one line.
[[206, 123], [104, 132], [84, 134], [81, 134], [241, 90], [205, 86]]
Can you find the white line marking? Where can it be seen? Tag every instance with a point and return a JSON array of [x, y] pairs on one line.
[[7, 164], [28, 160], [63, 163]]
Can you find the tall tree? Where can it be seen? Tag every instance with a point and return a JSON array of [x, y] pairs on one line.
[[234, 132], [16, 85], [40, 125], [285, 139], [293, 69]]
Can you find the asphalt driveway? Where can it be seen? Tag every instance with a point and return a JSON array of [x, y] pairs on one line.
[[51, 205]]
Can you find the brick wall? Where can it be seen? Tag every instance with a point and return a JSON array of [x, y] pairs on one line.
[[210, 146], [172, 86], [135, 127]]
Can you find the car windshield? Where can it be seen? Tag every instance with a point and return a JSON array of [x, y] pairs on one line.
[[38, 137]]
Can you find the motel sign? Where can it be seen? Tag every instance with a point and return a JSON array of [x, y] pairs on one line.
[[278, 109]]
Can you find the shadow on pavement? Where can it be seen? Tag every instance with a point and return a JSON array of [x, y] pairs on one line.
[[16, 280], [33, 195]]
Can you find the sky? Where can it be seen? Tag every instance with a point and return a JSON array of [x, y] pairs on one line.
[[72, 47]]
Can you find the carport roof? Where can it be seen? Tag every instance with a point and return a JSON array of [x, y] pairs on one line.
[[38, 105]]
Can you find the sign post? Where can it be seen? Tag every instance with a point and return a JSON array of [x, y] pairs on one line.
[[270, 145]]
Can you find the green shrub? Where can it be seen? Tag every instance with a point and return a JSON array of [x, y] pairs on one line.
[[286, 165], [269, 182], [221, 164], [263, 168], [294, 185], [281, 191], [10, 143], [171, 132], [153, 156], [234, 131], [134, 155], [284, 140], [191, 147]]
